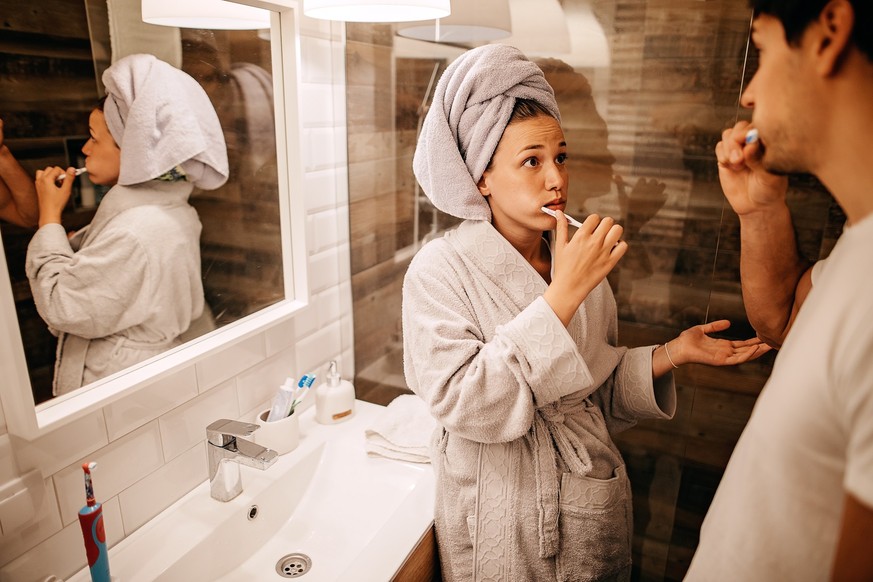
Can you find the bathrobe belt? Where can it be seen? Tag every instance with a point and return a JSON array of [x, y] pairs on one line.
[[549, 427], [72, 352]]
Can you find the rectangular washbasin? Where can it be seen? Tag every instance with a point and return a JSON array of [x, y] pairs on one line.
[[351, 517]]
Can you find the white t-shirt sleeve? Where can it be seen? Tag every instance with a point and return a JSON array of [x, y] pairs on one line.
[[856, 386]]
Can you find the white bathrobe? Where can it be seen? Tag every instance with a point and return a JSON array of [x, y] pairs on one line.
[[529, 483], [126, 288]]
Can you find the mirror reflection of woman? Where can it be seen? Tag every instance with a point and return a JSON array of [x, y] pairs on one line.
[[124, 288]]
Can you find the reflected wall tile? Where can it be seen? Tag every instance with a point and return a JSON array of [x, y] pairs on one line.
[[320, 190], [323, 270], [316, 60], [318, 149], [8, 467], [317, 100], [370, 33]]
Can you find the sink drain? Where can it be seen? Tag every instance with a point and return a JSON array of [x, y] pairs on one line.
[[293, 565]]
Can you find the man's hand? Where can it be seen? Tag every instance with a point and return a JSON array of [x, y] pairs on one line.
[[747, 185]]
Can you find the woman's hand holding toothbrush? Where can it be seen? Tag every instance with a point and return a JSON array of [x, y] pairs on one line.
[[582, 261]]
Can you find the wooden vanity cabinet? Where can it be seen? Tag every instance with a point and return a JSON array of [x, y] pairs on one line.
[[423, 563]]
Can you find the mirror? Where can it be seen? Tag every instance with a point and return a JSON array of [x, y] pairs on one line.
[[52, 82]]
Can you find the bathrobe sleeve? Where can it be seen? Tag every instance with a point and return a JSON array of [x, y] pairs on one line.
[[484, 389], [633, 395], [95, 292]]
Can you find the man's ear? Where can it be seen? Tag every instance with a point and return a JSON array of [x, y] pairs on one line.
[[833, 35], [483, 187]]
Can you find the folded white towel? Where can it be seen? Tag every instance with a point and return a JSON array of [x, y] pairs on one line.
[[402, 431]]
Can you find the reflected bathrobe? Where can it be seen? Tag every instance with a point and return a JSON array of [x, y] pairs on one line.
[[530, 485], [125, 287]]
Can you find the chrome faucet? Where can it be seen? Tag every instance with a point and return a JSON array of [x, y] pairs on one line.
[[226, 450]]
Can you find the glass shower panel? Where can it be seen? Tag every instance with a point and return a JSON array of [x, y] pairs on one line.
[[645, 89], [671, 87]]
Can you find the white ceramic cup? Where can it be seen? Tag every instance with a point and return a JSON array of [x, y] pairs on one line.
[[280, 435]]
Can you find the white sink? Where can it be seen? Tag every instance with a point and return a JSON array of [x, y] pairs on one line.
[[355, 517]]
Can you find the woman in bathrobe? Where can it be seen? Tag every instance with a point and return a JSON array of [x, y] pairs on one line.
[[123, 288], [511, 341]]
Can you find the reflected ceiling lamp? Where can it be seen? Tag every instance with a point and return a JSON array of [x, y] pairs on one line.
[[376, 10], [589, 45], [539, 27], [470, 21], [211, 14]]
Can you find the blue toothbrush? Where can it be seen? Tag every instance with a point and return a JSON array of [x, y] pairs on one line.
[[303, 386]]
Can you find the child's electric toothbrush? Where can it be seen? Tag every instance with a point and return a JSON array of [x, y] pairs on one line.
[[91, 520]]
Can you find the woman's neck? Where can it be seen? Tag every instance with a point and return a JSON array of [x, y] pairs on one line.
[[534, 249]]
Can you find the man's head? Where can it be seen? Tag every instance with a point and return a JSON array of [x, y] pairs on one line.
[[797, 15], [811, 72]]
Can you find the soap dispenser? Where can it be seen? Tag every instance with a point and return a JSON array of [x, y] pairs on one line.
[[334, 399]]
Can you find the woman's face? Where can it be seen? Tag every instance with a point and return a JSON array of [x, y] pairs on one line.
[[103, 156], [528, 171]]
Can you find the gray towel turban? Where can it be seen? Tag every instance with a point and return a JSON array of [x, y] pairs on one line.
[[161, 118], [471, 107]]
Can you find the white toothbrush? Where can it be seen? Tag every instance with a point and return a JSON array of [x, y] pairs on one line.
[[569, 218], [78, 172]]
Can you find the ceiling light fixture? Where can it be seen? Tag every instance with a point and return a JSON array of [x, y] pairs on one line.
[[376, 10], [211, 14]]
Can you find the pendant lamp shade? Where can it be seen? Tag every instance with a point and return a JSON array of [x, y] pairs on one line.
[[479, 21], [212, 14], [376, 10]]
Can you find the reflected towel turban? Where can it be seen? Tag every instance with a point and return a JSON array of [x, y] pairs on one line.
[[161, 118]]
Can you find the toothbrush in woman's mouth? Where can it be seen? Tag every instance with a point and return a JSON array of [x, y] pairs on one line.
[[78, 172], [569, 218]]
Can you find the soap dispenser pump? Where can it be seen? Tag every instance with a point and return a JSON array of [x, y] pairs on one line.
[[334, 399]]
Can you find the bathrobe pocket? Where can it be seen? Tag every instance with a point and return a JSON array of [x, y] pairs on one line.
[[595, 525]]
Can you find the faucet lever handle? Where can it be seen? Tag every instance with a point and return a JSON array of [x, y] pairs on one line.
[[223, 431]]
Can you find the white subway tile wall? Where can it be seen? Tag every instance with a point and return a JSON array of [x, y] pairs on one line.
[[150, 448]]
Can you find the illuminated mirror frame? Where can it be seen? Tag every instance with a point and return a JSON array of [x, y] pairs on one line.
[[26, 420]]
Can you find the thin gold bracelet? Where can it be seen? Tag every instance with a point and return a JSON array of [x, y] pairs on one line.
[[666, 351]]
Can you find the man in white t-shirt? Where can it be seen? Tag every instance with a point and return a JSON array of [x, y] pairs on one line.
[[796, 499]]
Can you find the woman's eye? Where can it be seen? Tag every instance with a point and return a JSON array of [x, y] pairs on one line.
[[531, 163], [561, 159]]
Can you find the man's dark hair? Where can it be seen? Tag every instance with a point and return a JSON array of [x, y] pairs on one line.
[[796, 15]]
